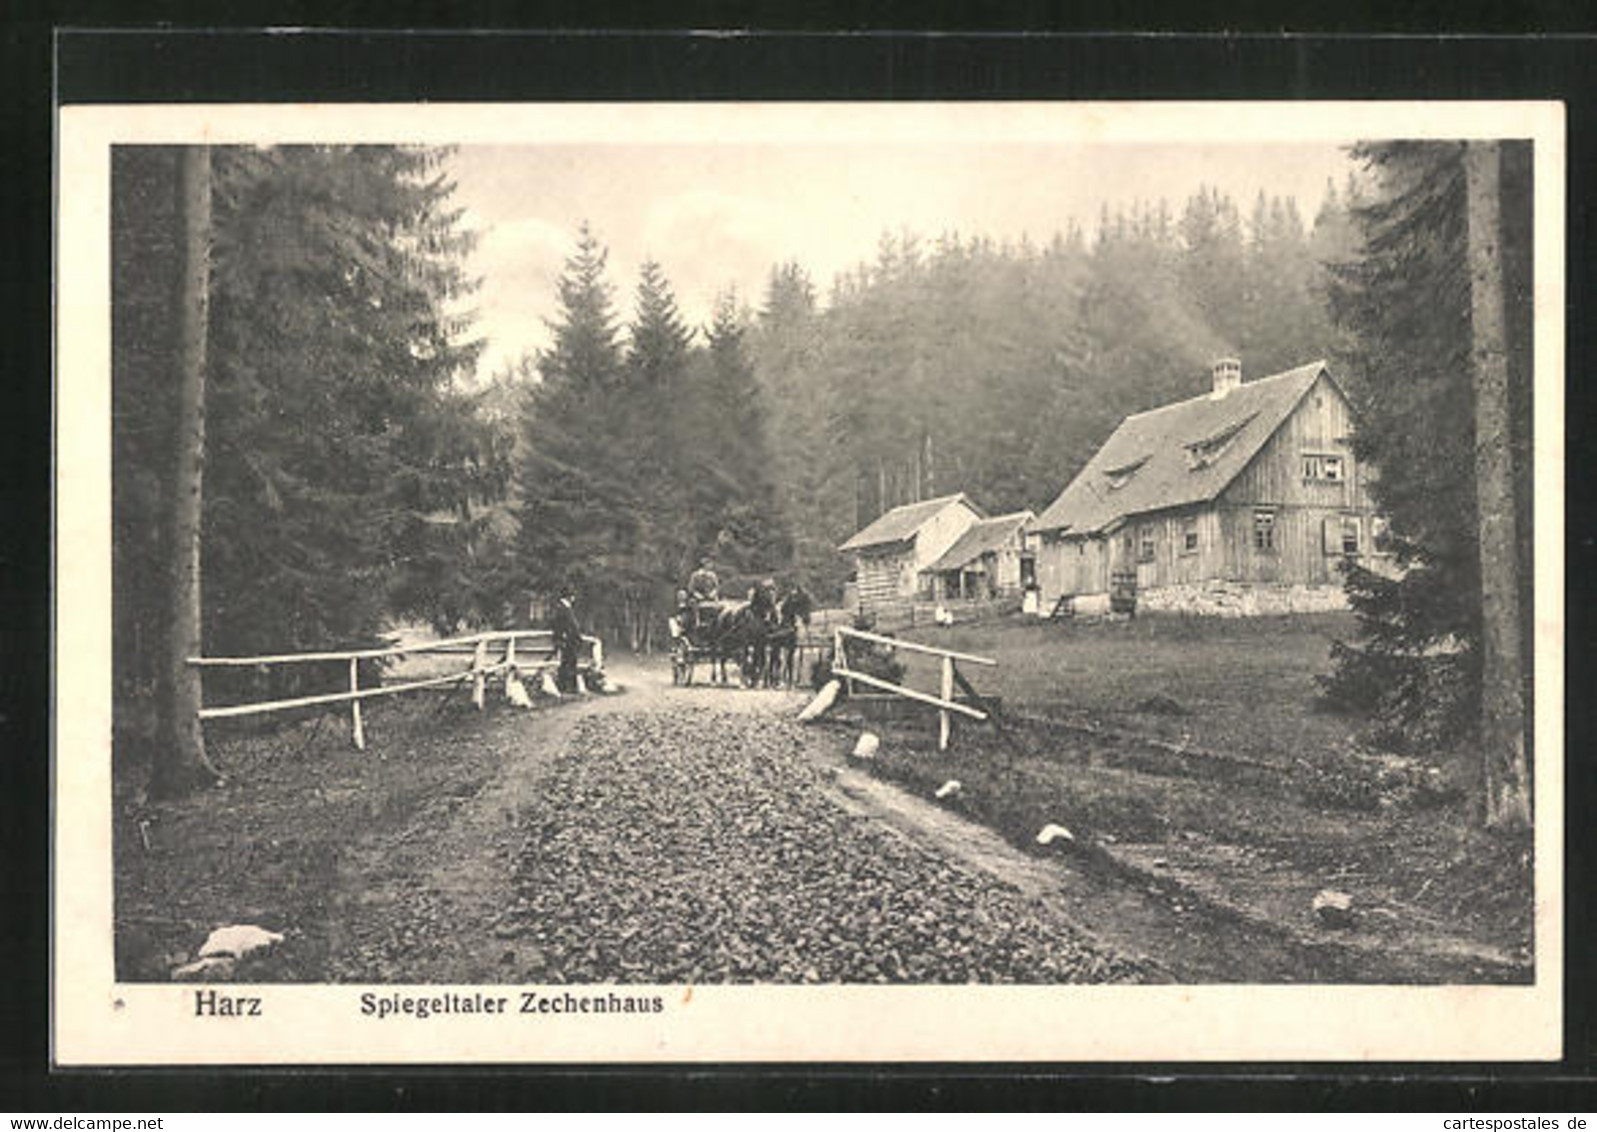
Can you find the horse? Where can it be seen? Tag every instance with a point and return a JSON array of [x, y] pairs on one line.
[[739, 632], [794, 609]]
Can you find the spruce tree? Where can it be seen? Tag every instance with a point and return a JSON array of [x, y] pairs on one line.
[[576, 518], [332, 333], [1505, 768], [1406, 301], [814, 487], [654, 415], [181, 763], [737, 511], [338, 341]]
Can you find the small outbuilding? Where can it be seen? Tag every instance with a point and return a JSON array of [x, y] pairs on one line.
[[989, 561], [891, 553]]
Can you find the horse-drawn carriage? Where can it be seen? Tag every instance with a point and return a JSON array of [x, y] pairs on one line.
[[760, 635]]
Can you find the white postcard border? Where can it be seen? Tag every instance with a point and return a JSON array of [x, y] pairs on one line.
[[97, 1021]]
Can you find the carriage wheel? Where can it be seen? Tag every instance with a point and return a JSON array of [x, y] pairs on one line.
[[681, 663]]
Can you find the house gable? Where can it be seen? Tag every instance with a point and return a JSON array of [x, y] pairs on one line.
[[1308, 460], [902, 524], [942, 531]]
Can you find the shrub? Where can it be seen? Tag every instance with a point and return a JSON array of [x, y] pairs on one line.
[[1415, 674]]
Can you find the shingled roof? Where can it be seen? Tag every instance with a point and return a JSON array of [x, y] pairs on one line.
[[989, 534], [1178, 454], [901, 523]]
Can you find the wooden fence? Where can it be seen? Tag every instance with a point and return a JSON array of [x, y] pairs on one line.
[[944, 701], [477, 646]]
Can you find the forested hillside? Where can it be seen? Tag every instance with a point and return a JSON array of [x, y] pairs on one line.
[[961, 364]]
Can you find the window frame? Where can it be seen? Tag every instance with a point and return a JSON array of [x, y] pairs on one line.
[[1191, 540], [1147, 545], [1264, 525], [1355, 525], [1315, 467]]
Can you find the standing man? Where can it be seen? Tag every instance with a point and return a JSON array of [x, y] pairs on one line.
[[568, 638]]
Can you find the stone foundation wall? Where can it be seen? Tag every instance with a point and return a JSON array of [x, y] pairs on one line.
[[1241, 599]]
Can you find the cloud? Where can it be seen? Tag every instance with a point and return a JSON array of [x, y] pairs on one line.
[[519, 262], [707, 240]]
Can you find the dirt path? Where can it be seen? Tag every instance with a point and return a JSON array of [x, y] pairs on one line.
[[422, 903], [699, 834], [692, 834]]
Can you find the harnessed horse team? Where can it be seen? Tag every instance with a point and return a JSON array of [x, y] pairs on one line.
[[759, 633]]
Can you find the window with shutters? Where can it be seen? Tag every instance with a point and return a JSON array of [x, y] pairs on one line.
[[1350, 534], [1342, 535]]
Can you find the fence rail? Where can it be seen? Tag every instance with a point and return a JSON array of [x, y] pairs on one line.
[[475, 645], [944, 701]]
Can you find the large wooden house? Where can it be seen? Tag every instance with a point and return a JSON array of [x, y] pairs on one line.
[[1242, 500], [892, 553]]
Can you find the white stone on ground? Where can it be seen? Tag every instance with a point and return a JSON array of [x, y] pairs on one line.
[[239, 940], [1335, 909], [822, 703]]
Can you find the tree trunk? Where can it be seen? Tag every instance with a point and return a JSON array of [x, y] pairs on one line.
[[180, 763], [1505, 769]]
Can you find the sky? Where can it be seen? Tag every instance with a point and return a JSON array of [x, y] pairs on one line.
[[715, 216]]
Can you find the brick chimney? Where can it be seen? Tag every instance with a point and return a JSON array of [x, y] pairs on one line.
[[1227, 376]]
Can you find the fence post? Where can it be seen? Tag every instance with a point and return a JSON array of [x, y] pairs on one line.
[[840, 658], [510, 650], [943, 718], [358, 732], [478, 662]]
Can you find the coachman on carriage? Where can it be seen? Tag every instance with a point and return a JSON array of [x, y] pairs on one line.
[[758, 634]]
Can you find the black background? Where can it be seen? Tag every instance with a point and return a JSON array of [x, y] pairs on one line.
[[1249, 58]]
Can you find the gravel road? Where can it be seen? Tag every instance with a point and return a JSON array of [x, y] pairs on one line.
[[686, 841]]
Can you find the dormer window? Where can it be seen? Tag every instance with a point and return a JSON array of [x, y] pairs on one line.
[[1119, 477], [1202, 453]]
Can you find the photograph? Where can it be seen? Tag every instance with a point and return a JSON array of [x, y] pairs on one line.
[[752, 581]]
